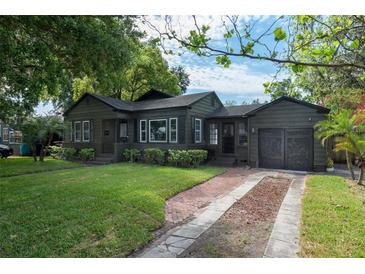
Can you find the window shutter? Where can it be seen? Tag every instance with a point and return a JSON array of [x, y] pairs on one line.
[[193, 129], [91, 131], [71, 132], [135, 130], [181, 130]]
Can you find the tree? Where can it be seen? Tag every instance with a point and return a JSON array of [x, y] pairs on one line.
[[182, 76], [39, 131], [41, 54], [149, 70], [344, 126], [281, 88]]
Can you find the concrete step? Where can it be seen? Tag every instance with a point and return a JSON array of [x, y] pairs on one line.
[[223, 161]]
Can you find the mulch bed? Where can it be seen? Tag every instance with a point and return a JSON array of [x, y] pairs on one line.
[[243, 231]]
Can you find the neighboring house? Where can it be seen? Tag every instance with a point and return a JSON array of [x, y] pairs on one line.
[[278, 134], [11, 137]]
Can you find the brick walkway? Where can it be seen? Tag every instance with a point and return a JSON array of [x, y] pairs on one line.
[[185, 204]]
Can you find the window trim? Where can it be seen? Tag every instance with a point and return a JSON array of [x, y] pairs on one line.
[[244, 135], [200, 131], [177, 127], [83, 131], [7, 129], [140, 131], [210, 134], [149, 130], [77, 140]]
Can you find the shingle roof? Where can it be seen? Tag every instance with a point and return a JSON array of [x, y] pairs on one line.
[[177, 101], [234, 111]]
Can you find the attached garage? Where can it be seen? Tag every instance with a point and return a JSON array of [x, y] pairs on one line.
[[281, 136], [286, 148]]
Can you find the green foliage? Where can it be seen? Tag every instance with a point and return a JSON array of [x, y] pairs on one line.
[[154, 156], [187, 158], [131, 154], [279, 34], [281, 88], [42, 54], [70, 153], [329, 163], [87, 154], [182, 76], [56, 152]]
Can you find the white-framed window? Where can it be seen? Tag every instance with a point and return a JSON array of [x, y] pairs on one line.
[[158, 131], [198, 130], [173, 130], [77, 131], [5, 134], [11, 137], [143, 131], [213, 134], [86, 131]]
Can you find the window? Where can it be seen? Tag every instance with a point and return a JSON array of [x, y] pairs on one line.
[[198, 130], [242, 134], [173, 130], [5, 134], [158, 129], [77, 131], [143, 131], [213, 134], [123, 131], [11, 137], [18, 137], [86, 131]]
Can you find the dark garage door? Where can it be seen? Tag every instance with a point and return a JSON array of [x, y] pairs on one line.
[[286, 148]]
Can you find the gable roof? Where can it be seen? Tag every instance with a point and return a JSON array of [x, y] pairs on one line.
[[319, 109], [172, 102], [153, 94], [234, 111]]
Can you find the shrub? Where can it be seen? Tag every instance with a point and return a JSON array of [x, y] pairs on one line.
[[56, 152], [329, 163], [69, 153], [198, 156], [131, 155], [87, 154], [186, 158], [154, 156]]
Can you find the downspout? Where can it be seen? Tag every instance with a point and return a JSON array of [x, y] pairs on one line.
[[248, 142]]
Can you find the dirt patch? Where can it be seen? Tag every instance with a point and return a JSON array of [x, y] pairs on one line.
[[243, 231]]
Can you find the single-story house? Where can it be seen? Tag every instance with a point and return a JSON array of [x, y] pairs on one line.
[[278, 134], [11, 137]]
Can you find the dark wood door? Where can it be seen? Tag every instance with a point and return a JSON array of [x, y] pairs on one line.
[[108, 136], [271, 148], [299, 148], [228, 138]]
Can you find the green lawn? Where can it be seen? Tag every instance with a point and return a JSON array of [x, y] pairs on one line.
[[333, 218], [23, 165], [105, 211]]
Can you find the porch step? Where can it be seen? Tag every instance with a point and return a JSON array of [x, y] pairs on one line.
[[223, 161], [102, 159]]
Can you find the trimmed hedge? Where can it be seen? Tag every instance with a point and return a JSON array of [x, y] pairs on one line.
[[87, 154], [131, 154], [187, 158], [154, 156]]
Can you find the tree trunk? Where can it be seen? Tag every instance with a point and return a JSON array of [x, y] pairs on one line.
[[361, 175], [349, 165], [41, 154], [34, 152]]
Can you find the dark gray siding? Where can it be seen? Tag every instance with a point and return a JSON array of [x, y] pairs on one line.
[[286, 114], [200, 110]]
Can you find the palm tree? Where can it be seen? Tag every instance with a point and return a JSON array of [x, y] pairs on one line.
[[355, 143], [40, 131], [341, 124]]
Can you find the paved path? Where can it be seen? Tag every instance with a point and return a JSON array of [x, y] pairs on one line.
[[174, 242], [187, 203], [284, 238]]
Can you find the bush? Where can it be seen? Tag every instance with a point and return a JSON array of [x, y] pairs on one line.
[[87, 154], [154, 156], [329, 163], [56, 152], [186, 158], [198, 156], [69, 153], [131, 155]]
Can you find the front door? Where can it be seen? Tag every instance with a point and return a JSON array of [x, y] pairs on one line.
[[108, 136], [228, 138]]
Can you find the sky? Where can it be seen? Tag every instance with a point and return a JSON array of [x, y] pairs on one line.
[[242, 81]]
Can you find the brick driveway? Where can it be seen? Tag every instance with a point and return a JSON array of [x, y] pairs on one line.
[[185, 204]]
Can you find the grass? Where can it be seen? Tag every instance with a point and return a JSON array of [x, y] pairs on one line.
[[16, 165], [106, 211], [333, 218]]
